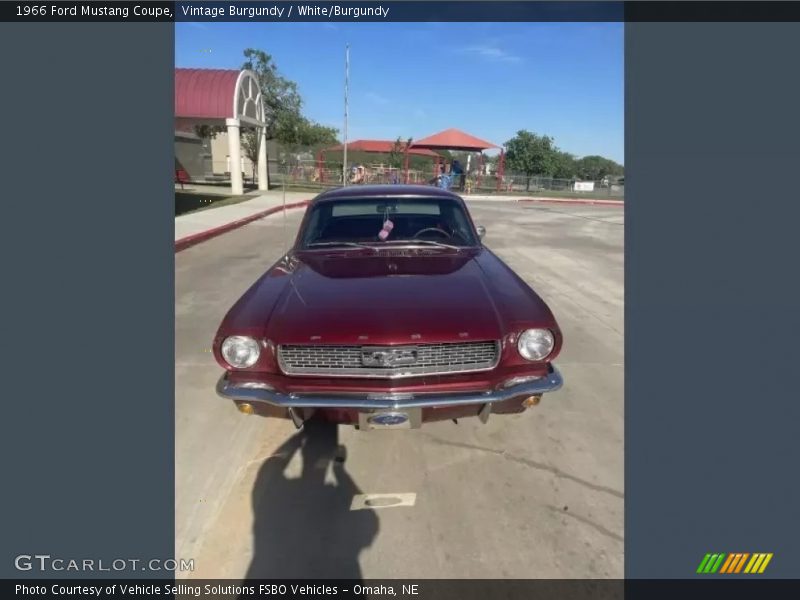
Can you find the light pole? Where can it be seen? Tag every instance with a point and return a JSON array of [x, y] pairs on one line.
[[346, 85]]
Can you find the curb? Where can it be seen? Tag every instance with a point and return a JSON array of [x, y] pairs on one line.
[[196, 238], [617, 203]]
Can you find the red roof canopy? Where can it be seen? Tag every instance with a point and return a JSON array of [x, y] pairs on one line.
[[379, 146], [205, 93], [453, 139]]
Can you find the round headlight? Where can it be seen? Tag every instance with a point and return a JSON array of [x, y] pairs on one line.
[[240, 351], [535, 344]]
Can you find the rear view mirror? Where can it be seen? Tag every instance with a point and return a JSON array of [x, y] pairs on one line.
[[481, 231]]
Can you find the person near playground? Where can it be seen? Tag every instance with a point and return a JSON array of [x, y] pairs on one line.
[[445, 179], [457, 174], [358, 174]]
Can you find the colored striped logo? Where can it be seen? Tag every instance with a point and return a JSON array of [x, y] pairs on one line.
[[741, 562]]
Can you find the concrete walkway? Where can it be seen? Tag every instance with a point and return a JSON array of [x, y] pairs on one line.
[[200, 221]]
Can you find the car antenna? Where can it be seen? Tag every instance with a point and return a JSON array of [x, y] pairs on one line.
[[283, 180]]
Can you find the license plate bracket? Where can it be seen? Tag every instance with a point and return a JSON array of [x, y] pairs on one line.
[[390, 418]]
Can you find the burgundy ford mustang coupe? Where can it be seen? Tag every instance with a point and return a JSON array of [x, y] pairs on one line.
[[386, 313]]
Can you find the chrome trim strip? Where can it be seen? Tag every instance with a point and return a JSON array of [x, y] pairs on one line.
[[241, 392], [374, 373]]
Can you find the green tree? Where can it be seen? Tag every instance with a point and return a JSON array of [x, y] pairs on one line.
[[207, 131], [282, 107], [565, 166], [298, 131], [595, 168], [282, 101], [531, 154], [397, 152]]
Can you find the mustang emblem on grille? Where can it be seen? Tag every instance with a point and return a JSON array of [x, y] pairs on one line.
[[388, 357]]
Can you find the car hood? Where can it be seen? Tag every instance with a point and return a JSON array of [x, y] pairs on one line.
[[352, 297]]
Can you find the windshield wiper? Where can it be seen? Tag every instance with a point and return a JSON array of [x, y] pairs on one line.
[[428, 242], [340, 244]]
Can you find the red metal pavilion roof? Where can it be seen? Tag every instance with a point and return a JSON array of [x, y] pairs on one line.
[[453, 139], [205, 93], [379, 146]]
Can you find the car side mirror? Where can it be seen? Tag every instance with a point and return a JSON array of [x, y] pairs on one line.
[[481, 231]]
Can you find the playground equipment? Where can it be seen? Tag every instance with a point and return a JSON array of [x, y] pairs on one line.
[[377, 173], [456, 140], [450, 139]]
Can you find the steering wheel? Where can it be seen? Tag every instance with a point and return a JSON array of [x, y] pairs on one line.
[[433, 230]]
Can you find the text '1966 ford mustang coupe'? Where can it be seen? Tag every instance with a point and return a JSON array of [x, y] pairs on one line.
[[388, 312]]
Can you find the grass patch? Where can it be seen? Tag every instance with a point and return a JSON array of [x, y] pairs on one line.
[[312, 189], [187, 202]]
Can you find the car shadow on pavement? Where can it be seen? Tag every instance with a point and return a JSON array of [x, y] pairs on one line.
[[304, 527]]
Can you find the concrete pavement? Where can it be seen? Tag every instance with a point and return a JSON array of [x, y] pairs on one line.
[[536, 495], [201, 225]]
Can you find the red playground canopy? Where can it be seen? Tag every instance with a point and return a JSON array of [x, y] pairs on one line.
[[453, 139]]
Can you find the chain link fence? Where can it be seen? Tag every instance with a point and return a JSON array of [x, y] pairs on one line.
[[609, 187]]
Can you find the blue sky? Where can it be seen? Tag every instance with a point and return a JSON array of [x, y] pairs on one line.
[[414, 79]]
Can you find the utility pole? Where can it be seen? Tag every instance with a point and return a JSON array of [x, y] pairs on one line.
[[346, 85]]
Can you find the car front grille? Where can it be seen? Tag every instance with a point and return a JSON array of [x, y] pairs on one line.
[[388, 361]]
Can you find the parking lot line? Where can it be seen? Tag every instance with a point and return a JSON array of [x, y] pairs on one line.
[[373, 501]]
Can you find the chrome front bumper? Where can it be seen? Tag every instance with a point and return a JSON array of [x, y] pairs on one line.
[[254, 391]]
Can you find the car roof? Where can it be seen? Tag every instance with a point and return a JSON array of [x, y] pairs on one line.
[[359, 192]]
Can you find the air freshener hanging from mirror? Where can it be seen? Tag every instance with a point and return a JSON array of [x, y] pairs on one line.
[[387, 228]]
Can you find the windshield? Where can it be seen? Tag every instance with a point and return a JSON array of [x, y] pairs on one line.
[[434, 222]]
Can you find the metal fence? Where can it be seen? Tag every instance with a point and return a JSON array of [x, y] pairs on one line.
[[316, 175], [313, 173], [522, 184]]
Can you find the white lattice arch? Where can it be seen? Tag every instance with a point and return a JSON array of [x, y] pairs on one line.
[[248, 106], [248, 110]]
